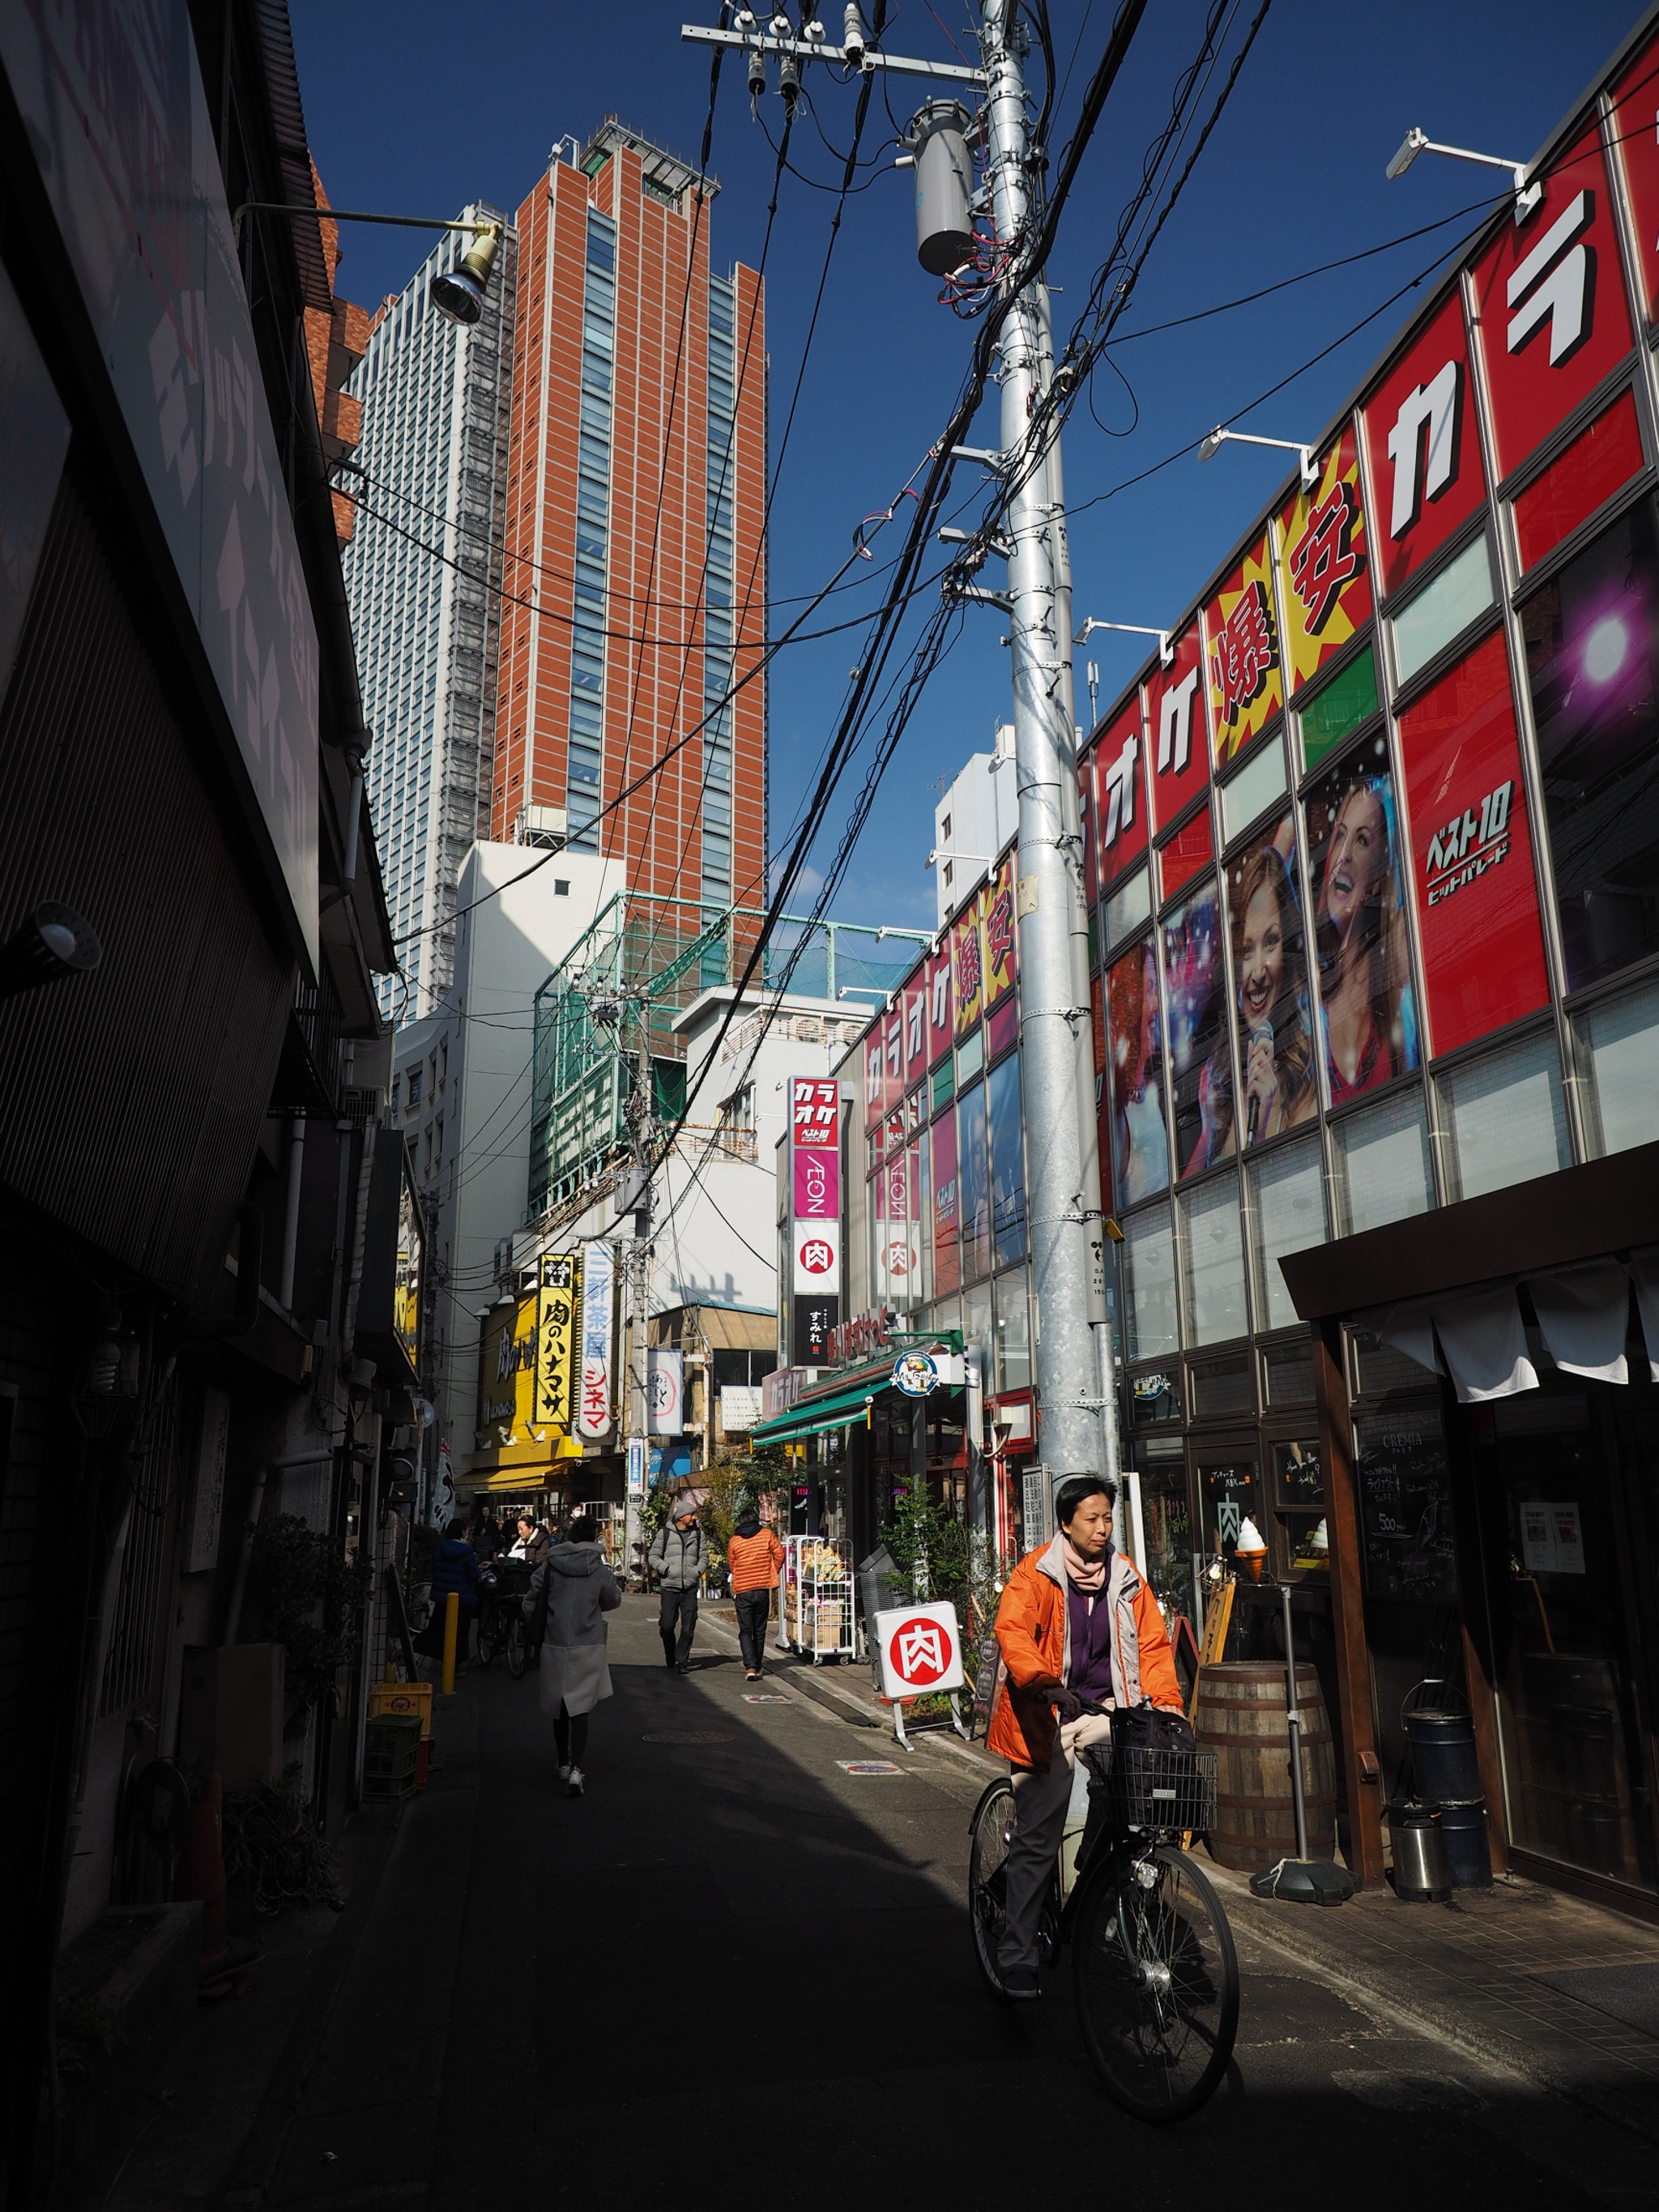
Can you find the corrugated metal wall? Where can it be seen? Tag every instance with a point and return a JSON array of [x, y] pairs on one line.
[[133, 1097]]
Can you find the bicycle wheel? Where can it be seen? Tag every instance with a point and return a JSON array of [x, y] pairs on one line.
[[489, 1633], [517, 1649], [1157, 1982], [991, 1826]]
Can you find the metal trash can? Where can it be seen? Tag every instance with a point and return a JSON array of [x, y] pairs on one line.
[[880, 1586], [1443, 1755], [1422, 1874], [1469, 1850]]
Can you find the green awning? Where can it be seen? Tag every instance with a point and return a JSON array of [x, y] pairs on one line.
[[814, 1417]]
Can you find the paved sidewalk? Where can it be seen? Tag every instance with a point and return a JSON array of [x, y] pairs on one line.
[[1469, 1972]]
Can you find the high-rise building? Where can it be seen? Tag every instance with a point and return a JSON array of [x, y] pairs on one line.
[[635, 551], [424, 576]]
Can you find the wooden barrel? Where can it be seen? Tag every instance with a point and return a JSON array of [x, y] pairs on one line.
[[1240, 1715]]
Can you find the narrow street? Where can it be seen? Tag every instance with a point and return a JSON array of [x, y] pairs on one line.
[[733, 1969]]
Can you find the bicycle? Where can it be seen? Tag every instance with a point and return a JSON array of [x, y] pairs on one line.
[[501, 1626], [1154, 1970]]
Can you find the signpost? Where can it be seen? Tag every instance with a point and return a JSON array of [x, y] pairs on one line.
[[919, 1651]]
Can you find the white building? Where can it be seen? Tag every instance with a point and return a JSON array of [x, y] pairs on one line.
[[973, 822], [423, 574], [461, 1089]]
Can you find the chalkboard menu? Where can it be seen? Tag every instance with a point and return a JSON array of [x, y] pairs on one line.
[[1405, 1508]]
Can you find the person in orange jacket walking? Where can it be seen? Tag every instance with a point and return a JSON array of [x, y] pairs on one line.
[[1076, 1622], [754, 1556]]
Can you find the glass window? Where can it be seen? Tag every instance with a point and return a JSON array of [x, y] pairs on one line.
[[1141, 1140], [943, 1086], [1128, 906], [1617, 1047], [976, 1319], [1289, 1371], [1013, 1371], [1007, 1162], [1405, 1506], [1592, 640], [1503, 1118], [970, 1057], [1222, 1386], [1382, 1165], [1201, 1049], [1441, 608], [1287, 1194], [1298, 1495], [1249, 794], [973, 1163], [1368, 1003], [1213, 1262], [922, 1203], [1149, 1284], [1332, 715], [947, 1207]]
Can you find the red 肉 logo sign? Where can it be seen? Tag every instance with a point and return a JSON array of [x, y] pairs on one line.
[[921, 1652], [817, 1258]]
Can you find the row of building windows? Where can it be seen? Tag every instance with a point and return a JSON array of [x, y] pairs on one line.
[[583, 800], [719, 580]]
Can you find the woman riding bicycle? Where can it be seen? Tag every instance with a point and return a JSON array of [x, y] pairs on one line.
[[1075, 1623]]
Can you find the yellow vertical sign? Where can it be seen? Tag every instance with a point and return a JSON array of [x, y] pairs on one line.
[[555, 1317]]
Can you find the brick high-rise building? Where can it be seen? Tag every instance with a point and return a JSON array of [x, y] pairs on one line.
[[636, 557]]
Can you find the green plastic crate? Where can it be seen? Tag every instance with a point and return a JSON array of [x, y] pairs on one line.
[[392, 1754]]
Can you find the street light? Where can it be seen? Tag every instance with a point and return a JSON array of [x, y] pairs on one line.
[[457, 293], [1526, 196], [1218, 437], [1165, 650]]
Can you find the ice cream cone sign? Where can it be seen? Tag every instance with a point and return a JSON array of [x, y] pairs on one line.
[[1250, 1549]]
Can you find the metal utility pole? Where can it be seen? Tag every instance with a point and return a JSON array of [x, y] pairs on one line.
[[1063, 1165], [636, 1420]]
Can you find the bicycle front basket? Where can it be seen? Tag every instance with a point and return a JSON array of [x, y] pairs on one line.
[[1163, 1789]]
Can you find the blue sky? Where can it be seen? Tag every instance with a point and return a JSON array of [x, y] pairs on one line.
[[420, 109]]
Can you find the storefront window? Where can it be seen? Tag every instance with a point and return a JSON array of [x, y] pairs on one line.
[[1007, 1162], [1150, 1292], [1141, 1140], [947, 1207], [1336, 711], [976, 1320], [1013, 1367], [1443, 609], [1129, 907], [1167, 1529], [1286, 1193], [1222, 1386], [1592, 637], [1405, 1506], [1246, 796], [970, 1057], [1368, 1006], [1504, 1119], [921, 1202], [1299, 1508], [1383, 1171], [1287, 1370], [1618, 1053], [1200, 1051], [1213, 1260], [972, 1165]]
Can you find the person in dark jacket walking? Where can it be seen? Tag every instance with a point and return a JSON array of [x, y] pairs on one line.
[[570, 1593], [455, 1567], [676, 1558]]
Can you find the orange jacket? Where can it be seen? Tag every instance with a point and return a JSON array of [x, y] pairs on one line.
[[1035, 1635], [754, 1560]]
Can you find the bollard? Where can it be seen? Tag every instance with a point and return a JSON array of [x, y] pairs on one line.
[[452, 1631]]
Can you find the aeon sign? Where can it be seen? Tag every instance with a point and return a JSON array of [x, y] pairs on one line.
[[814, 1183]]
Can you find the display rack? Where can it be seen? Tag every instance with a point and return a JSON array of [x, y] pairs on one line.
[[818, 1596]]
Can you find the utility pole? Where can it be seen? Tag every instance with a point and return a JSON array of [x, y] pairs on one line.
[[636, 1420], [1064, 1214], [1062, 1150]]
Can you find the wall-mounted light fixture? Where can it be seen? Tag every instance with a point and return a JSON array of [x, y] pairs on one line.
[[53, 942], [1526, 196], [1218, 437], [457, 293]]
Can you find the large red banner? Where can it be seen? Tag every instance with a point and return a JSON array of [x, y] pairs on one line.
[[1424, 447], [1174, 730], [1636, 135], [1471, 847], [1119, 795]]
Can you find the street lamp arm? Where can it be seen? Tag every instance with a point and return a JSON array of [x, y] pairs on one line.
[[1416, 142], [352, 214], [1165, 650], [1210, 446]]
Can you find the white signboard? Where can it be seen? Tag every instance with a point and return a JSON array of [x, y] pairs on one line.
[[1552, 1536], [817, 1257], [740, 1408], [664, 1392], [207, 1508], [918, 1649], [636, 1449], [598, 1281]]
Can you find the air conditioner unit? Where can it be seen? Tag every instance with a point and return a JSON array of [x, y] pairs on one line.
[[545, 826]]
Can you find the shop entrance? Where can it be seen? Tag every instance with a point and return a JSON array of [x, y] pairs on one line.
[[1565, 1484]]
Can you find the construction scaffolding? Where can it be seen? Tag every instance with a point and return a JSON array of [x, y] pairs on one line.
[[645, 959]]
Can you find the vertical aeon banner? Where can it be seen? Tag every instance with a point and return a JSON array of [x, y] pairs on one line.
[[1423, 448], [555, 1317], [1324, 564], [599, 1288], [1241, 633], [1549, 306], [1635, 115], [815, 1183], [1471, 849], [1175, 739], [1119, 796]]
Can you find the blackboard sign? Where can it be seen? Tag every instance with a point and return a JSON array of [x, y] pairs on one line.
[[1404, 1509], [984, 1676]]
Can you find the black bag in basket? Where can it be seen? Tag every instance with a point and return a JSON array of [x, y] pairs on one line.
[[1146, 1728]]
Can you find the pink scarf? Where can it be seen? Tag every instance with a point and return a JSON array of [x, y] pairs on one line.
[[1088, 1574]]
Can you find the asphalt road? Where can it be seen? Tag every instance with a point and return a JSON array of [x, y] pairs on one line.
[[734, 1970]]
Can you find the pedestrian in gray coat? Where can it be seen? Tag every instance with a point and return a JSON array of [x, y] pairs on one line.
[[569, 1595], [676, 1558]]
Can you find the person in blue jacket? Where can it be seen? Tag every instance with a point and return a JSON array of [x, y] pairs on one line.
[[455, 1567]]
